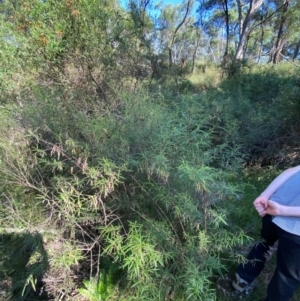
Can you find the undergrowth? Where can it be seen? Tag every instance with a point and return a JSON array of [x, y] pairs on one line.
[[121, 175], [154, 184]]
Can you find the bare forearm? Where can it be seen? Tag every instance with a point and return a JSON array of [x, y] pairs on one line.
[[275, 209], [289, 211]]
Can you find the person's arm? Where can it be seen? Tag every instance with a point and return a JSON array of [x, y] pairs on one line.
[[277, 182], [274, 209], [261, 203]]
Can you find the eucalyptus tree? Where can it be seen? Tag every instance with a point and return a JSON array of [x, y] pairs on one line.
[[246, 12], [293, 45], [198, 34], [286, 29], [138, 30], [213, 17], [254, 27], [281, 32], [261, 33], [236, 15], [185, 11], [173, 24]]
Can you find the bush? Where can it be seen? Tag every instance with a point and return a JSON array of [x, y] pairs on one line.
[[131, 184]]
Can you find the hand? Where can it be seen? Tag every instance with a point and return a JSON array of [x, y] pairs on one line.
[[273, 208], [260, 205], [264, 206]]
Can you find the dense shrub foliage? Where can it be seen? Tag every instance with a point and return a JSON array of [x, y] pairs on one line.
[[121, 176], [141, 187]]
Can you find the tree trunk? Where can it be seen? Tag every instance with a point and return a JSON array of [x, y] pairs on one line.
[[280, 41], [296, 51], [225, 7], [170, 46], [261, 43], [277, 52], [195, 49], [245, 26]]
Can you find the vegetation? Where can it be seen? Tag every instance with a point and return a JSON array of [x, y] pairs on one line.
[[128, 158]]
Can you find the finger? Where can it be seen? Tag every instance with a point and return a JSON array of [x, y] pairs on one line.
[[259, 208], [259, 202]]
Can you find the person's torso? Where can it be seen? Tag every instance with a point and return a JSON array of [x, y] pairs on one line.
[[288, 193]]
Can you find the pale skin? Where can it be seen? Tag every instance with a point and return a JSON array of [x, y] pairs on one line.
[[264, 205]]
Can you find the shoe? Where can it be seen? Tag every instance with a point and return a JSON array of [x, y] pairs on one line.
[[240, 284], [226, 291]]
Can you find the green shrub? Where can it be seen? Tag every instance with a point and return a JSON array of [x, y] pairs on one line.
[[136, 182], [147, 181]]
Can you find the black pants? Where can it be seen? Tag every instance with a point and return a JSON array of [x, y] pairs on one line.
[[286, 277]]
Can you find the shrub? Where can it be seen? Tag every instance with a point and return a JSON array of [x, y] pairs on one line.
[[141, 185]]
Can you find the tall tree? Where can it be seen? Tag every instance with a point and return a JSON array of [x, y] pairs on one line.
[[245, 23], [275, 53], [197, 43], [186, 10], [176, 33], [214, 18]]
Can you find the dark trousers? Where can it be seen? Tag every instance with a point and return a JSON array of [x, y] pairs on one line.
[[286, 277], [257, 257]]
